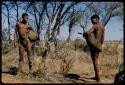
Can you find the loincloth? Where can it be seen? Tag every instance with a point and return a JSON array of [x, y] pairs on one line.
[[93, 49]]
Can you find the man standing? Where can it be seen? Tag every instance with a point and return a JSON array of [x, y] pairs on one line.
[[98, 31], [22, 28]]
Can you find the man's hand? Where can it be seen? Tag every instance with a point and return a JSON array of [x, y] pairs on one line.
[[102, 47], [29, 27], [14, 39], [17, 22]]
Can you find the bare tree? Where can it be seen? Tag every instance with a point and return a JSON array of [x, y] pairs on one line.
[[8, 9], [57, 16], [78, 17], [16, 6], [107, 10], [36, 9]]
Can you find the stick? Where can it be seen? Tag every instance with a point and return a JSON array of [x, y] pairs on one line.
[[80, 33]]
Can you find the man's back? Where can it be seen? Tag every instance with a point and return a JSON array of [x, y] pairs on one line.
[[99, 33], [95, 38]]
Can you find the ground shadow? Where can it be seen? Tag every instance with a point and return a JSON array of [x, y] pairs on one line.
[[88, 79], [72, 76], [77, 77], [11, 70]]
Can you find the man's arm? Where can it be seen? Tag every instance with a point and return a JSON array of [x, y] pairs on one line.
[[15, 33], [14, 39]]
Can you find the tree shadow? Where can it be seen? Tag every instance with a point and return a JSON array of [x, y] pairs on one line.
[[72, 76], [11, 70], [77, 77], [88, 79]]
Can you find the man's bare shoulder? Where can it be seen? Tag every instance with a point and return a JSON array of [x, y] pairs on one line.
[[100, 26], [17, 23]]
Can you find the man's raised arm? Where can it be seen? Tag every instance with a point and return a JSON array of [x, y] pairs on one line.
[[14, 39], [15, 34]]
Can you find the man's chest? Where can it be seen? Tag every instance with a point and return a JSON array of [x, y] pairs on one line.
[[22, 27]]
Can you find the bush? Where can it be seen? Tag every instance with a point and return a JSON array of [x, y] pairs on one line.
[[40, 51], [67, 60], [78, 44], [5, 50], [38, 72]]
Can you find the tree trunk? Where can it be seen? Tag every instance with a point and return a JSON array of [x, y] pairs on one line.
[[38, 31], [69, 37], [8, 24]]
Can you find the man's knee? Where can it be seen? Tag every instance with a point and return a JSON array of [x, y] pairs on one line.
[[29, 47], [21, 50]]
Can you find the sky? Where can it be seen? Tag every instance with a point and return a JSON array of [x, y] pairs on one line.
[[112, 30]]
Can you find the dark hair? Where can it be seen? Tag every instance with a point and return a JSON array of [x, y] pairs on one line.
[[24, 14], [95, 16]]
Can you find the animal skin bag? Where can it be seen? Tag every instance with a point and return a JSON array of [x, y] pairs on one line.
[[33, 36]]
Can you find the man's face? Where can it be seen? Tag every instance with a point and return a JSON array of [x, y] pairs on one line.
[[95, 20], [25, 18]]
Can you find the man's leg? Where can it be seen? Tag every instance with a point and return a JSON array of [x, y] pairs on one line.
[[21, 58], [29, 52], [94, 56]]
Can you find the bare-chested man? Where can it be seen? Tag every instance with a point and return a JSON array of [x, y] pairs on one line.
[[98, 31], [22, 28]]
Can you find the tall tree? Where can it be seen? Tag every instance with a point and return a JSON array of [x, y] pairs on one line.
[[8, 9], [37, 11], [57, 14], [78, 16], [16, 5], [107, 10]]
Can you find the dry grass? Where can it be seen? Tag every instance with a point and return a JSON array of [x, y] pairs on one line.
[[68, 60]]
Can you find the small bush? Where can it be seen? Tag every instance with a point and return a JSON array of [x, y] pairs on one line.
[[6, 50], [67, 60], [78, 44], [40, 51], [38, 72]]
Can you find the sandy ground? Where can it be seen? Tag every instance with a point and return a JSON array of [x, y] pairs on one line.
[[82, 68]]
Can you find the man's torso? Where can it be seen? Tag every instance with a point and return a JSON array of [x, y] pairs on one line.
[[99, 32], [22, 30]]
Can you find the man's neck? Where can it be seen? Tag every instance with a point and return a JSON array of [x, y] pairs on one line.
[[24, 22], [95, 23]]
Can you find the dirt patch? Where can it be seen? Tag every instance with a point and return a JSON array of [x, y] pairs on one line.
[[82, 67], [7, 78]]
